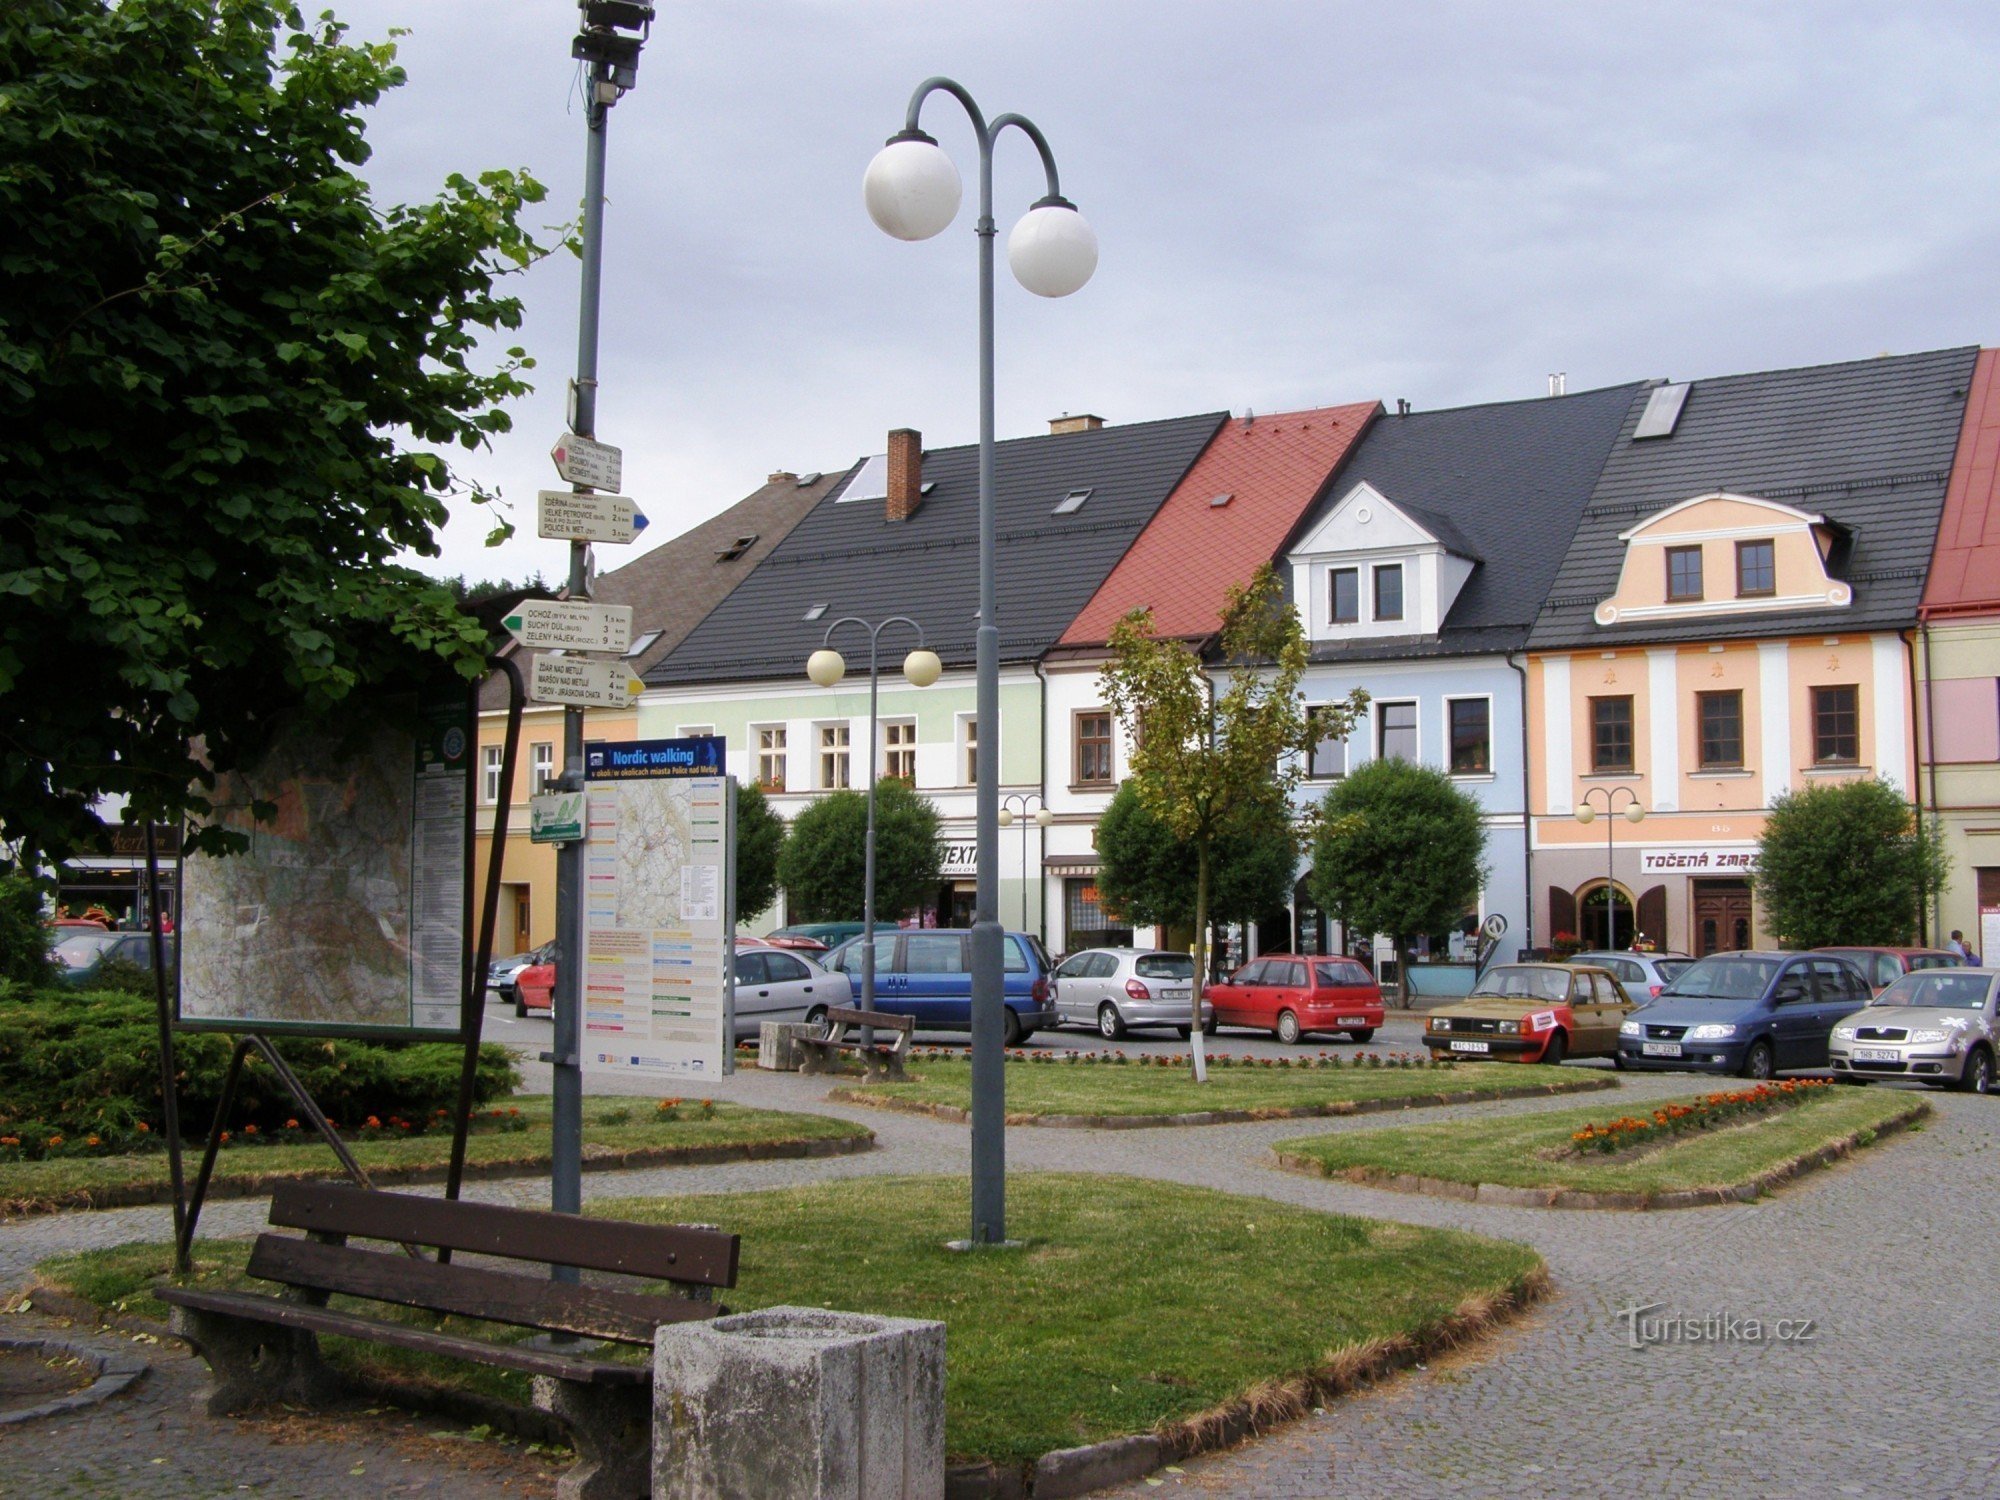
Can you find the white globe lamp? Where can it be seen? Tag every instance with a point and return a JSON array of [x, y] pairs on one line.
[[826, 666], [922, 667], [1053, 250], [911, 188]]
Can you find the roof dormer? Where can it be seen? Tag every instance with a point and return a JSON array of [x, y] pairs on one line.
[[1372, 567], [1726, 554]]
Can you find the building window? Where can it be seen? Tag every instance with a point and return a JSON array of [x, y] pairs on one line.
[[1721, 716], [1471, 736], [1396, 731], [1093, 747], [1611, 735], [1683, 573], [1344, 589], [771, 757], [697, 731], [832, 757], [899, 750], [491, 756], [1389, 592], [1326, 756], [544, 766], [1756, 568], [1836, 726], [968, 759]]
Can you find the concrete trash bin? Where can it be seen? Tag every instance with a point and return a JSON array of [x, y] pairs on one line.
[[799, 1403], [775, 1050]]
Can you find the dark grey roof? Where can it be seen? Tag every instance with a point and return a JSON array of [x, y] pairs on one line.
[[1867, 444], [1503, 483], [852, 559]]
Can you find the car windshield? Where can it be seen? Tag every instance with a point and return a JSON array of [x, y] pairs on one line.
[[79, 950], [1511, 983], [1732, 976], [1164, 966], [1938, 987]]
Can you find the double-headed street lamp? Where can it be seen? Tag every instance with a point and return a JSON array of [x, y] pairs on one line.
[[913, 191], [826, 667], [1009, 815], [1586, 814]]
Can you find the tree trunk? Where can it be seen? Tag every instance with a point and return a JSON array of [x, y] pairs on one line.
[[1403, 970], [1197, 1058]]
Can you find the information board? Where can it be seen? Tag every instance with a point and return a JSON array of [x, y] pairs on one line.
[[657, 907], [349, 911]]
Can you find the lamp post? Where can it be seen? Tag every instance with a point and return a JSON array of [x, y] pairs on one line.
[[1009, 815], [1587, 814], [912, 191], [826, 667]]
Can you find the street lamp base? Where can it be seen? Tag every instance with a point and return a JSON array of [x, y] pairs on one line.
[[985, 1244]]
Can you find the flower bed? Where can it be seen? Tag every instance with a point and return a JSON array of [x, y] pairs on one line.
[[1183, 1060], [1704, 1113]]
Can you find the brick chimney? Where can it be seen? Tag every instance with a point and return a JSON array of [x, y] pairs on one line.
[[782, 476], [1083, 421], [906, 472]]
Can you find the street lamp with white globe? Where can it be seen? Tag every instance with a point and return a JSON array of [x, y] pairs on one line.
[[1586, 814], [912, 191], [1016, 811]]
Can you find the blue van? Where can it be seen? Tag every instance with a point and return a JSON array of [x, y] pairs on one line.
[[927, 973]]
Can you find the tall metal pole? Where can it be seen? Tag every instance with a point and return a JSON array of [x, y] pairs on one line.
[[868, 855]]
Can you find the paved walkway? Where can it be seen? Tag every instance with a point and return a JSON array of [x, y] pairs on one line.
[[1891, 1257]]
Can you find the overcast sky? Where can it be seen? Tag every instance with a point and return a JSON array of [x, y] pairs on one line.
[[1298, 204]]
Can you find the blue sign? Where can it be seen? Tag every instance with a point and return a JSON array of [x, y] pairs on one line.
[[627, 760]]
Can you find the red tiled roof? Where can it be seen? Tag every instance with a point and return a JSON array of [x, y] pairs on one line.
[[1965, 568], [1191, 551]]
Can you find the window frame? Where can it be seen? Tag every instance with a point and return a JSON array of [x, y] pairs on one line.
[[1382, 729], [894, 748], [1080, 743], [1451, 707], [1770, 549], [1313, 742], [542, 760], [1732, 697], [968, 749], [1675, 596], [1600, 764], [770, 752], [824, 756], [1853, 732], [1333, 578], [1376, 575], [492, 761]]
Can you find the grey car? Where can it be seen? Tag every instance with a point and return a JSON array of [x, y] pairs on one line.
[[1643, 975], [1934, 1026], [1117, 989]]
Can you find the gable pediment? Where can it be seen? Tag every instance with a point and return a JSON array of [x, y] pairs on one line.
[[1720, 554], [1365, 520]]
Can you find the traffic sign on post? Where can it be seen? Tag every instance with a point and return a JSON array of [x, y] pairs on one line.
[[565, 516], [567, 625], [585, 684], [585, 461]]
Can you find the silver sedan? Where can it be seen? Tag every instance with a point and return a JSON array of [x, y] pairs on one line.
[[1932, 1026], [1117, 989]]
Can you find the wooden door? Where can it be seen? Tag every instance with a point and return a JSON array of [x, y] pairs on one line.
[[1721, 917]]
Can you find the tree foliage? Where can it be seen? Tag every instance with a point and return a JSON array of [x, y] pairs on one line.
[[1145, 875], [1846, 863], [229, 383], [760, 838], [821, 866], [1398, 850]]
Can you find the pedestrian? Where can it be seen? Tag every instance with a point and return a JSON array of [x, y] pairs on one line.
[[1957, 945]]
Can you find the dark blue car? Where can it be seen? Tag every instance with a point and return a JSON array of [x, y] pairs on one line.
[[926, 972], [1756, 1014]]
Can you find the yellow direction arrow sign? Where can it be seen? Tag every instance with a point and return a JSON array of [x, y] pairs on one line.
[[587, 684], [569, 625]]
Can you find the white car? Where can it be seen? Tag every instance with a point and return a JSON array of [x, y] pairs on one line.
[[1938, 1026], [1644, 975], [775, 985], [1116, 989]]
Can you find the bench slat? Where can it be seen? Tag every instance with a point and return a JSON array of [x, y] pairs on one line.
[[348, 1325], [472, 1291], [881, 1020], [657, 1252]]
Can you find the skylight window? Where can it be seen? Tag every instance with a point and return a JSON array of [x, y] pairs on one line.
[[1216, 502], [815, 612], [1663, 411], [1071, 503], [639, 646], [807, 481], [870, 482], [736, 548]]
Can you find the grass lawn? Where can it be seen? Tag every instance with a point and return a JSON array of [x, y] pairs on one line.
[[1511, 1152], [1040, 1089], [612, 1127], [1134, 1306]]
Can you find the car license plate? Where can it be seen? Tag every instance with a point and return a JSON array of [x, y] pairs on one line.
[[1458, 1046], [1661, 1049], [1173, 994], [1354, 1020], [1877, 1054]]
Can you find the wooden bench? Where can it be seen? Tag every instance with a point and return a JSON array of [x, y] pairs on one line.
[[823, 1054], [265, 1349]]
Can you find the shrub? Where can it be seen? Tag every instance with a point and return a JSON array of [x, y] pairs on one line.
[[24, 936]]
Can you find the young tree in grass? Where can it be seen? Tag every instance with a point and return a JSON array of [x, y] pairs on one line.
[[1145, 875], [1398, 850], [760, 839], [822, 864], [1202, 757], [1847, 863]]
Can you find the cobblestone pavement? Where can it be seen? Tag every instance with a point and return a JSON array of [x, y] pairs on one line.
[[1888, 1255]]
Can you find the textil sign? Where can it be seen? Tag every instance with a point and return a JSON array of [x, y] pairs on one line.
[[1697, 860]]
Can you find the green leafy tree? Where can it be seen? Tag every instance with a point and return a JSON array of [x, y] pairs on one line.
[[760, 838], [822, 864], [24, 932], [1202, 757], [1847, 863], [1145, 876], [229, 385], [1398, 850]]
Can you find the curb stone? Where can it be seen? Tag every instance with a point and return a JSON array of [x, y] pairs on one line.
[[116, 1370], [1519, 1197]]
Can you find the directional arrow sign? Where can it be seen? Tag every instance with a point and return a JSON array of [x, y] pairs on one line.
[[566, 625], [568, 517], [584, 461], [588, 684]]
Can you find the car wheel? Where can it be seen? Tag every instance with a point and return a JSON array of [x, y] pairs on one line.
[[1555, 1050], [1208, 1026], [1011, 1032], [1365, 1035], [1288, 1028], [1110, 1025], [520, 1006], [1618, 1061], [816, 1016], [1757, 1062], [1183, 1032], [1977, 1075]]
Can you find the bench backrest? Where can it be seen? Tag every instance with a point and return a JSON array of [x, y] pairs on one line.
[[843, 1016]]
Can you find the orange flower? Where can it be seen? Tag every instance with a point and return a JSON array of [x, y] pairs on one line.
[[373, 1123], [249, 1129], [91, 1140], [144, 1128], [291, 1124]]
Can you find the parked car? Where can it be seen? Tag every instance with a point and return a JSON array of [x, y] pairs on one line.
[[1290, 996], [82, 953], [1884, 966], [781, 939], [1935, 1025], [1642, 975], [1117, 989], [774, 985], [927, 973], [535, 987], [828, 935], [1533, 1013], [502, 972], [1757, 1014]]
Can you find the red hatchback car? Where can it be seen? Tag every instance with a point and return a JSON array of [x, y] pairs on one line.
[[1288, 996]]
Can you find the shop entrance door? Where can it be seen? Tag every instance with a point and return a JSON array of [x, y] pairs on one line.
[[1721, 916]]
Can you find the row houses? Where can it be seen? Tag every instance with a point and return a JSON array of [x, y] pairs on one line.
[[1685, 597]]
